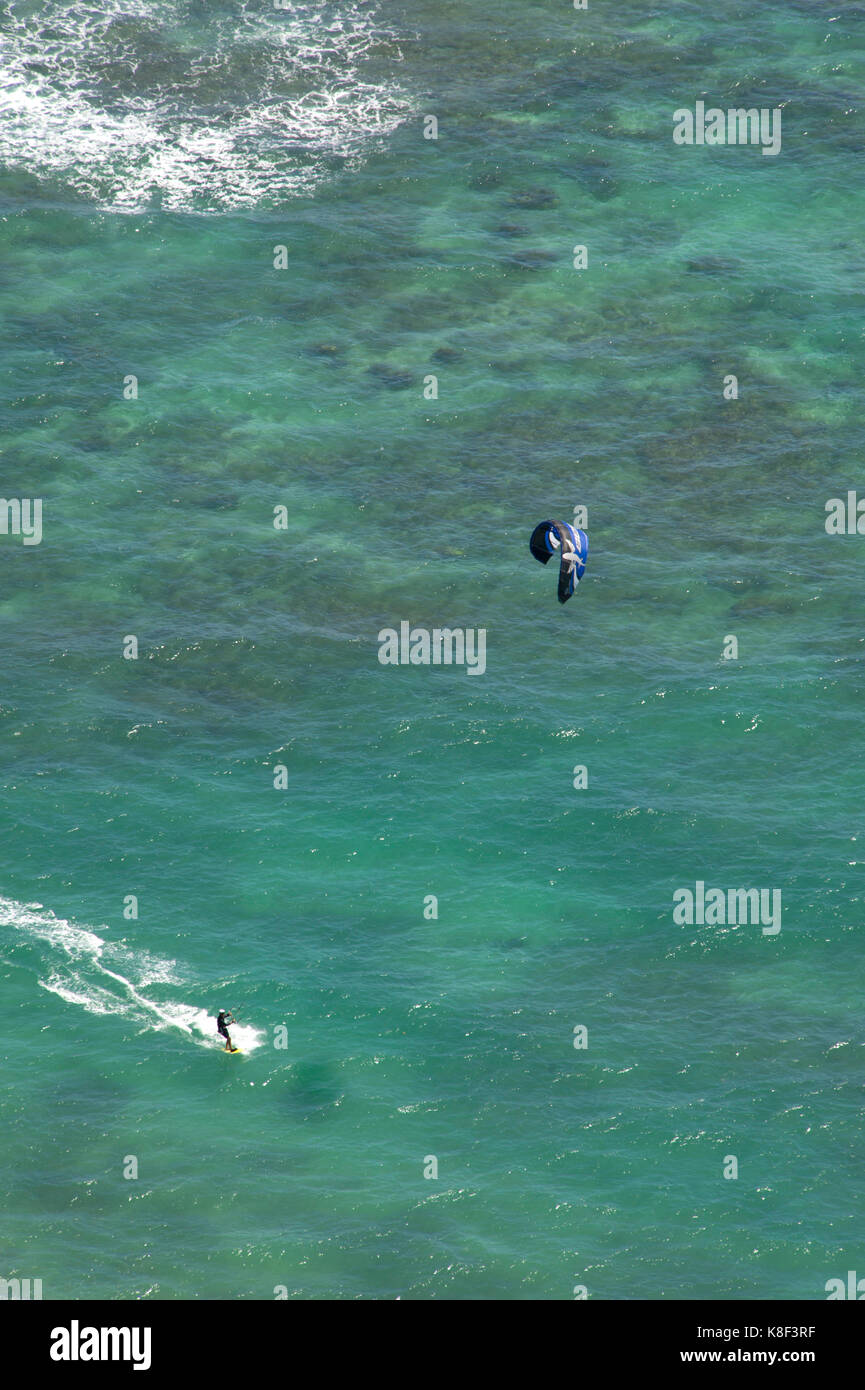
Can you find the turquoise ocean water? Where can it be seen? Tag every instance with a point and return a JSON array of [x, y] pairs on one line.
[[153, 155]]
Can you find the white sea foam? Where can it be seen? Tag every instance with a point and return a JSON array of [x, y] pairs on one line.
[[201, 109], [106, 977]]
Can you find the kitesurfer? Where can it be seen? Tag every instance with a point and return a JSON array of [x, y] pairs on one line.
[[224, 1017]]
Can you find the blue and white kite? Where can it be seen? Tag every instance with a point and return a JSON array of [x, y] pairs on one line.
[[572, 546]]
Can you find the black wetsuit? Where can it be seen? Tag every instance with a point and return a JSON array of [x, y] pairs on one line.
[[220, 1025]]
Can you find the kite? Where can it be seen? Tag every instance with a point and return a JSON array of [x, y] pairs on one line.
[[572, 545]]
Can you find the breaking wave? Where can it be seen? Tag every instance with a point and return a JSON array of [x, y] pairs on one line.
[[191, 106]]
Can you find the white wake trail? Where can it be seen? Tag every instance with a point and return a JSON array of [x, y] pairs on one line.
[[93, 973]]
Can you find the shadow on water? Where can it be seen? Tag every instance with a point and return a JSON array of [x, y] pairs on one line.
[[312, 1091]]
